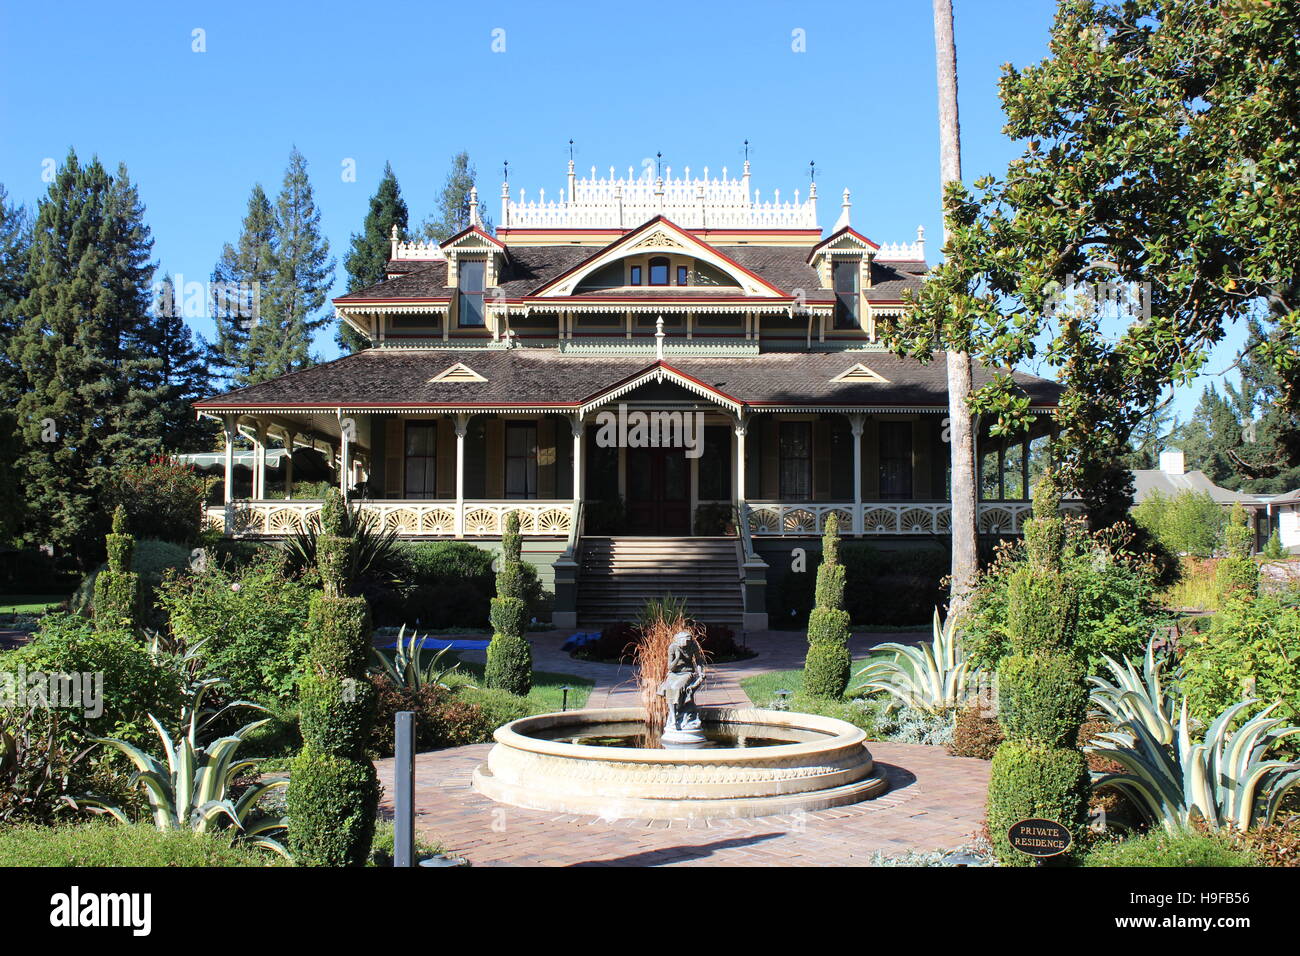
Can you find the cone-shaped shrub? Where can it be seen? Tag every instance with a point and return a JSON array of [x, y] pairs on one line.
[[826, 666], [117, 587], [1042, 692], [509, 655], [333, 791]]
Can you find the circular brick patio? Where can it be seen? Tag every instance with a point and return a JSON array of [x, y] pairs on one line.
[[934, 801]]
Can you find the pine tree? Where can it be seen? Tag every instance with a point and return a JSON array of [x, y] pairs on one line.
[[366, 260], [15, 249], [1039, 771], [827, 663], [182, 375], [82, 410], [452, 215], [1209, 436], [241, 282], [300, 282]]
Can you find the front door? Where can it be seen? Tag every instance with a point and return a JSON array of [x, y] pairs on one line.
[[658, 491]]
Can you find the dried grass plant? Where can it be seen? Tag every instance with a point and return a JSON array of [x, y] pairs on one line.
[[660, 619]]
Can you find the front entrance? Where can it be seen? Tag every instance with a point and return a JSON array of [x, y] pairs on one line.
[[658, 491]]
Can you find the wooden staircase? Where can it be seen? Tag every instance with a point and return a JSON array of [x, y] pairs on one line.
[[619, 574]]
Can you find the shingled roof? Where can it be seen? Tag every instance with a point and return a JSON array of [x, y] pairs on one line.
[[377, 378]]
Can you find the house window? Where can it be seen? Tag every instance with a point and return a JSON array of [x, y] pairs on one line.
[[471, 293], [796, 461], [421, 460], [521, 460], [844, 276], [715, 464], [683, 275], [895, 459], [634, 275], [659, 271]]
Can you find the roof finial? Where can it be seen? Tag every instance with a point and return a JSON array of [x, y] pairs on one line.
[[812, 170], [394, 237], [843, 221], [473, 206], [920, 241], [659, 338]]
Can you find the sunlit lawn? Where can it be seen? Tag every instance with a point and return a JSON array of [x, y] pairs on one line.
[[30, 603]]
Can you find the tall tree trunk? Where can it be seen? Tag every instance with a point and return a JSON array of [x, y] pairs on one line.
[[961, 424]]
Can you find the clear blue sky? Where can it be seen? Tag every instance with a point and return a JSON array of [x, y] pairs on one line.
[[413, 83]]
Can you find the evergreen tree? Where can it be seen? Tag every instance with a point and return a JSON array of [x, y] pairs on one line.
[[15, 247], [181, 377], [300, 281], [83, 409], [1150, 436], [366, 260], [1209, 436], [241, 281], [1266, 458], [452, 215]]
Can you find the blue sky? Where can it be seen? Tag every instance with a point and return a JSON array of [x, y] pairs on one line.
[[414, 83]]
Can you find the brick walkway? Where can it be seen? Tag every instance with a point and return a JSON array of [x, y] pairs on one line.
[[934, 801]]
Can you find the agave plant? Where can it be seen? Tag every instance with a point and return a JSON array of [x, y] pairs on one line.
[[375, 554], [933, 677], [403, 669], [1147, 698], [1223, 779], [190, 792]]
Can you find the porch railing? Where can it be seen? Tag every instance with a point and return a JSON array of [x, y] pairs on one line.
[[434, 519], [779, 519]]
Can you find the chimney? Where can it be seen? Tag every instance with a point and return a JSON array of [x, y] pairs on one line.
[[1171, 461]]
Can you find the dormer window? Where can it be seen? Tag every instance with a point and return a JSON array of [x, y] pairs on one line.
[[659, 271], [634, 275], [844, 279], [471, 274]]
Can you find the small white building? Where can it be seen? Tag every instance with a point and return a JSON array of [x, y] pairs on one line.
[[1173, 478]]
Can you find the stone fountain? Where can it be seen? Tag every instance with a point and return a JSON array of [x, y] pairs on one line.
[[708, 762]]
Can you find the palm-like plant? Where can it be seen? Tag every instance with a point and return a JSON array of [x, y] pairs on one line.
[[374, 555], [1223, 779], [933, 677], [1147, 697], [404, 670], [190, 792]]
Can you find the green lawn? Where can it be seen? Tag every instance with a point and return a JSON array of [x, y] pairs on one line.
[[546, 686], [29, 603], [546, 690], [762, 688]]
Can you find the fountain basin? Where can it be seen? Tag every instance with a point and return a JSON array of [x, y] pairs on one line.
[[825, 763]]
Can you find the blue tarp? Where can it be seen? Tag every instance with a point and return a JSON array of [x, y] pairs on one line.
[[438, 643], [579, 639]]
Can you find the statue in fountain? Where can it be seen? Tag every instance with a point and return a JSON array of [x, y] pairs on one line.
[[685, 676]]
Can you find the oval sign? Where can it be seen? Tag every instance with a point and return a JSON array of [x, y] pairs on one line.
[[1039, 837]]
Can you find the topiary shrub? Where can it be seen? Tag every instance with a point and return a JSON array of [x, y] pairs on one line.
[[826, 665], [1038, 771], [509, 655], [333, 790], [117, 589]]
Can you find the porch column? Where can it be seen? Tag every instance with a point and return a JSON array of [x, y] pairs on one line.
[[1024, 468], [345, 462], [290, 437], [259, 462], [576, 427], [856, 426], [462, 427], [231, 431], [741, 426]]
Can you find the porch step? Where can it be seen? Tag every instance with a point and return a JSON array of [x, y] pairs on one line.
[[619, 574]]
